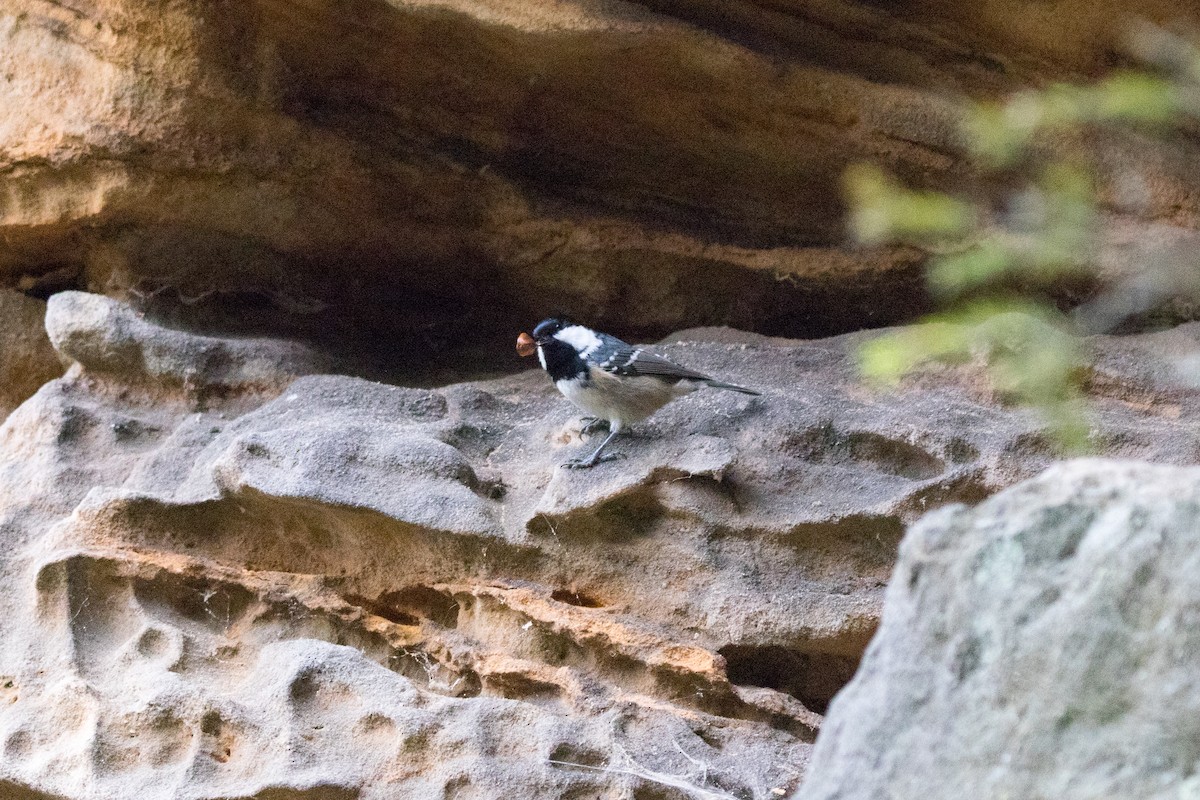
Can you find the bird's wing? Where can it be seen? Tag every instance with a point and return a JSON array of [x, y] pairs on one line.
[[623, 359]]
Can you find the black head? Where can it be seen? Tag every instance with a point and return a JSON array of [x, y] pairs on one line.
[[560, 359], [548, 327]]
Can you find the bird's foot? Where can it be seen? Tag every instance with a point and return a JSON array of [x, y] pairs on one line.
[[587, 462], [591, 425]]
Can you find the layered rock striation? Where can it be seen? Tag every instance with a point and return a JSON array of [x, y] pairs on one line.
[[231, 573], [431, 170]]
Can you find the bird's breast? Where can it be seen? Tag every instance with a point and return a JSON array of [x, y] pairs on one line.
[[622, 400]]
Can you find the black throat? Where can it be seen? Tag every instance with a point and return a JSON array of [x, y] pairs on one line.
[[562, 360]]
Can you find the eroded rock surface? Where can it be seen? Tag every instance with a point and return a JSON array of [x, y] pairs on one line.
[[107, 338], [221, 587], [1042, 644], [433, 169]]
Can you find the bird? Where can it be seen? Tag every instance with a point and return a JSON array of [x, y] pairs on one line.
[[616, 383]]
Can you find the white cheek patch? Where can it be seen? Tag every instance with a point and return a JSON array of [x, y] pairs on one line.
[[542, 357], [583, 340]]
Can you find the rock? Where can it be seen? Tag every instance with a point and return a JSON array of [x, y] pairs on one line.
[[211, 599], [108, 338], [1040, 644], [27, 359], [428, 171]]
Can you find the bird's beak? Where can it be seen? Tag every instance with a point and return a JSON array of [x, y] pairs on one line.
[[526, 346]]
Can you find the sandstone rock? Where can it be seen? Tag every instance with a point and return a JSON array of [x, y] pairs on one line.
[[354, 589], [432, 169], [108, 338], [1039, 645], [27, 359]]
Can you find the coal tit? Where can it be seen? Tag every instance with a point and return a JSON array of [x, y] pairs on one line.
[[618, 384]]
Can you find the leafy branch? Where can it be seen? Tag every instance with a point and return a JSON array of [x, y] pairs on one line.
[[994, 261]]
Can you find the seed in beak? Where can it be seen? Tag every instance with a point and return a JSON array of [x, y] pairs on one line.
[[526, 346]]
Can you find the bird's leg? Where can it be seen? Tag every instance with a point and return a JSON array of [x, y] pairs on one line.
[[593, 424], [586, 462]]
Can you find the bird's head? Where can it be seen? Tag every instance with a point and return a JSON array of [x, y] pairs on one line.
[[561, 346], [546, 329], [543, 337]]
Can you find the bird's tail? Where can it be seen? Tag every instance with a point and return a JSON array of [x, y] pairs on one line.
[[731, 387]]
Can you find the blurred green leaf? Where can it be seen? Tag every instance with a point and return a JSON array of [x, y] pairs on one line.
[[883, 210], [1031, 356], [1069, 424], [1047, 229], [1136, 97], [886, 359], [954, 274], [1000, 135], [1067, 241], [996, 134]]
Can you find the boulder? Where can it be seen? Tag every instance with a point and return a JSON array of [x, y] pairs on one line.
[[1041, 644]]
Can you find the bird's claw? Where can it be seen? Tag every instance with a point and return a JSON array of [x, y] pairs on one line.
[[580, 463], [587, 462]]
